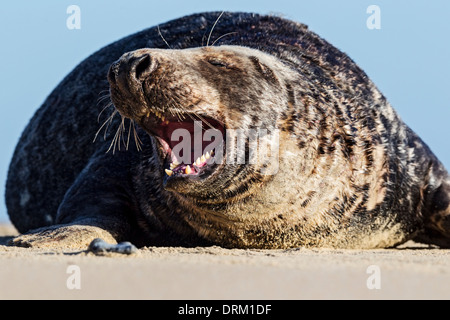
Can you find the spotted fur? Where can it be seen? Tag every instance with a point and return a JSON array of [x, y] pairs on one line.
[[350, 174]]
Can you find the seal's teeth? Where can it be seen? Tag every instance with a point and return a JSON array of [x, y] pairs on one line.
[[163, 119], [203, 159], [207, 156], [167, 122], [173, 166], [148, 114], [198, 161], [188, 170], [169, 172]]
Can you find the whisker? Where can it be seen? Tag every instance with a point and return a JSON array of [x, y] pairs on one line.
[[122, 130], [220, 121], [192, 117], [203, 120], [117, 137], [226, 34], [106, 107], [104, 97], [181, 115], [104, 123], [173, 112], [129, 133], [212, 29], [109, 123], [113, 142], [137, 140], [160, 34]]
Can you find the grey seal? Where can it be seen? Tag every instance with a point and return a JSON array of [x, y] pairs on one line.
[[349, 173]]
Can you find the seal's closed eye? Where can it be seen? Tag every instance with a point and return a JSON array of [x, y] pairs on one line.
[[218, 63]]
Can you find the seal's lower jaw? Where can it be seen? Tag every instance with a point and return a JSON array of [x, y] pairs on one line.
[[176, 175], [187, 152], [187, 183]]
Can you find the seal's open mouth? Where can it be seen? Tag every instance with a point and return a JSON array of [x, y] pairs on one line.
[[189, 143], [145, 88]]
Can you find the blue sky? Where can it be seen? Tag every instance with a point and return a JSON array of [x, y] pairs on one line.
[[408, 58]]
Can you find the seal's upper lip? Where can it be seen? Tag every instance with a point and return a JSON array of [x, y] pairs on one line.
[[162, 126]]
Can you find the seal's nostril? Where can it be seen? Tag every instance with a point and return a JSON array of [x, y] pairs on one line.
[[112, 73], [142, 68]]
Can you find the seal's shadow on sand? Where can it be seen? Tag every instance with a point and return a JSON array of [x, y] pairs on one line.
[[7, 232], [4, 240]]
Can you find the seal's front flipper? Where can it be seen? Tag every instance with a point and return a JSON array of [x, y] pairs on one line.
[[100, 247], [97, 205], [67, 236]]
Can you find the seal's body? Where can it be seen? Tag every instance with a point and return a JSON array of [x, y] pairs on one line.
[[348, 172]]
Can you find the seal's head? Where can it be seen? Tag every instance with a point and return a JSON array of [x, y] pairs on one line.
[[193, 101]]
